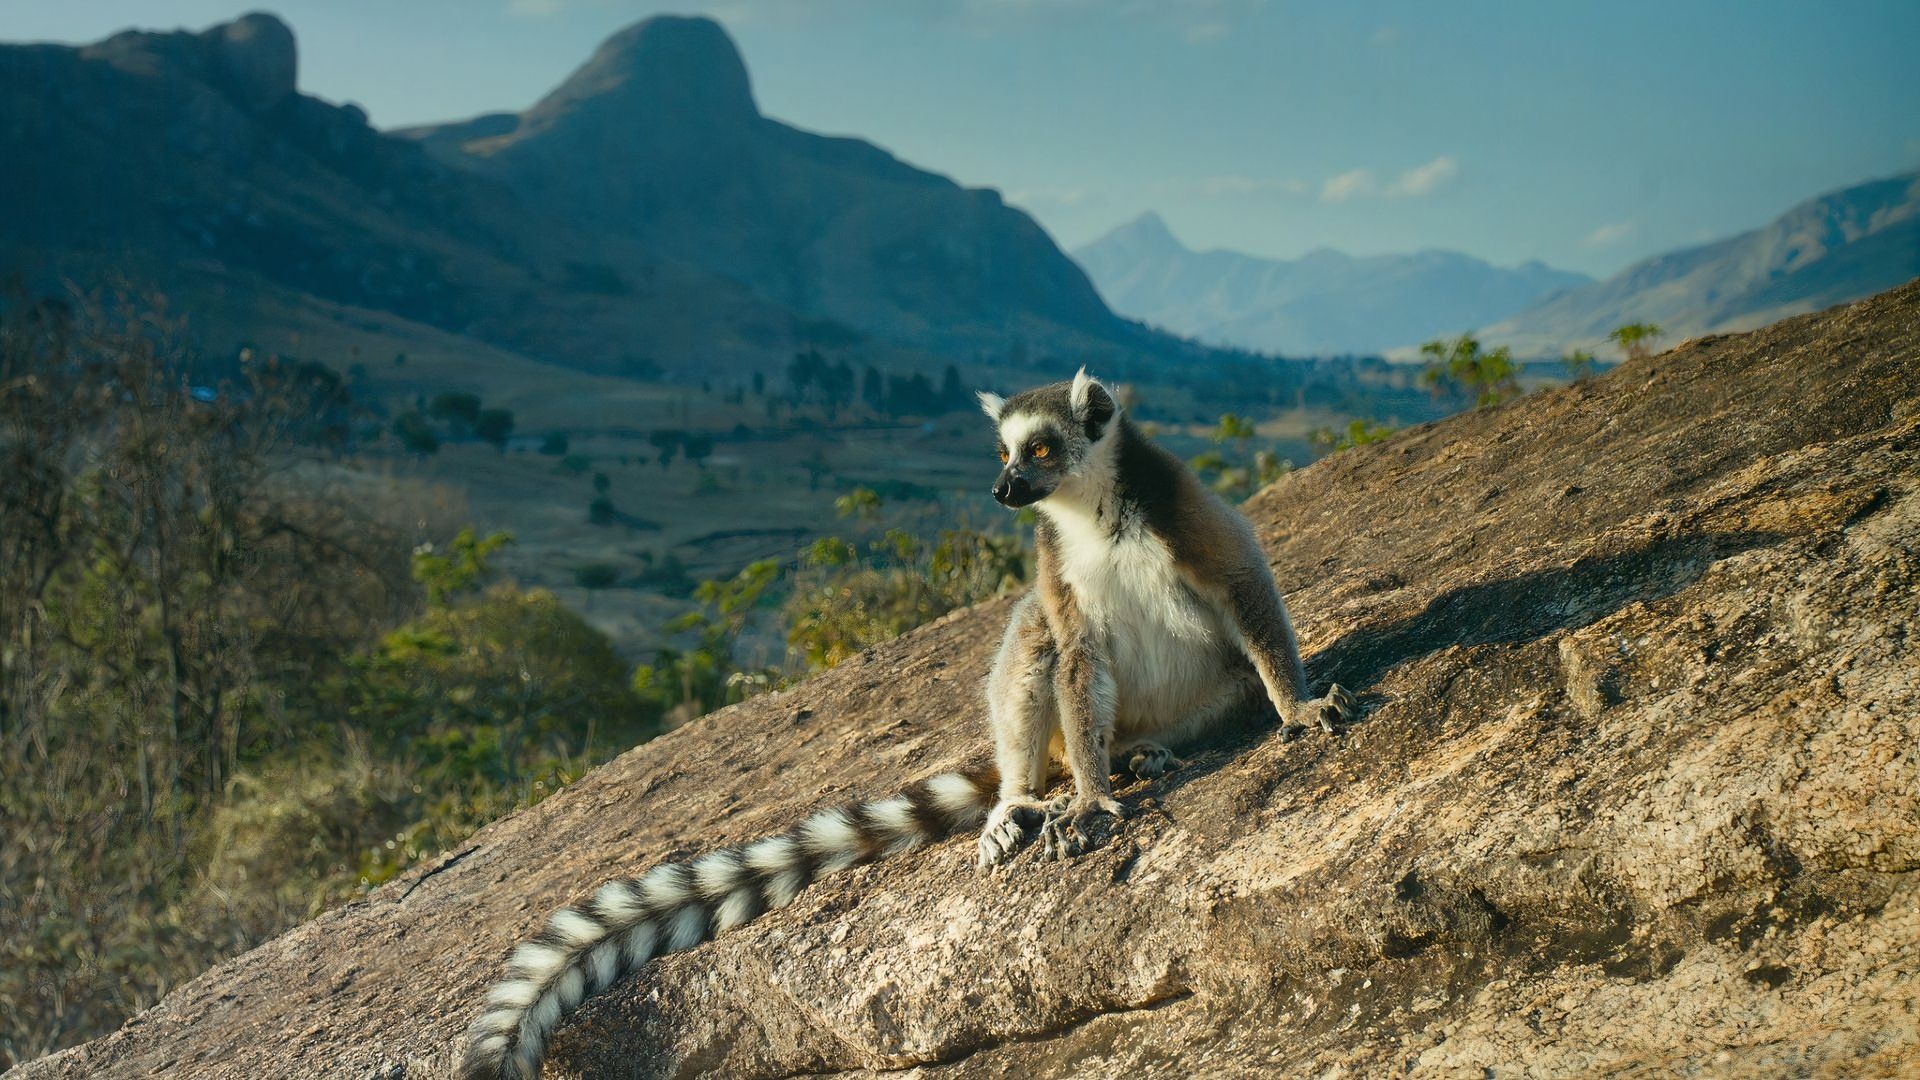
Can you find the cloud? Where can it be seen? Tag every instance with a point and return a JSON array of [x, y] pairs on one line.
[[1048, 196], [1348, 185], [1608, 235], [1415, 182], [1422, 179]]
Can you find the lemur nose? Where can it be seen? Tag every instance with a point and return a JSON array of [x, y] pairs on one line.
[[1011, 490]]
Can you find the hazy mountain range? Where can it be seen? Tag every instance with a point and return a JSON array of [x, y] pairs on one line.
[[1840, 246], [643, 213], [1323, 303]]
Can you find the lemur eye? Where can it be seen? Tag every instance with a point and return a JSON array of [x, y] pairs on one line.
[[1039, 450], [1003, 455]]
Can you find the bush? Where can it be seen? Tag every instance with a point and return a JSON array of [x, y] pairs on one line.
[[415, 433], [1461, 365], [494, 426]]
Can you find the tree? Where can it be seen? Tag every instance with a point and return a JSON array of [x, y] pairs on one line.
[[873, 389], [952, 391], [415, 433], [601, 512], [1358, 433], [494, 426], [462, 568], [862, 503], [1461, 364], [1636, 339], [667, 442], [554, 444], [459, 411], [1579, 363], [594, 577], [602, 483], [698, 448]]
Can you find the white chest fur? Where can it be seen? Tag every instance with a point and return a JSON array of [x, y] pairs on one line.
[[1166, 647]]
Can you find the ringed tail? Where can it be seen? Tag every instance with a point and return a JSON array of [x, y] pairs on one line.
[[582, 950]]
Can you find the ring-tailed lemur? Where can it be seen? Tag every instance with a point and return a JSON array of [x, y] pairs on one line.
[[1154, 617]]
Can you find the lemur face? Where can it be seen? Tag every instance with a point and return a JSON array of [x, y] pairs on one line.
[[1046, 436]]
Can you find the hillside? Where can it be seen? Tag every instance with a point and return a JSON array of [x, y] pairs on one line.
[[706, 239], [1828, 250], [1324, 303], [1635, 792]]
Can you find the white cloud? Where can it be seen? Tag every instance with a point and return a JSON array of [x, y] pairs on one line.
[[1348, 185], [1608, 235], [1415, 182], [1422, 179], [1048, 196]]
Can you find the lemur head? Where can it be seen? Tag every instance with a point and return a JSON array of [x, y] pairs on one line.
[[1048, 435]]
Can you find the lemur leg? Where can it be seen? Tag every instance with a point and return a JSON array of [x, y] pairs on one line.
[[1021, 708], [1086, 692], [1267, 635]]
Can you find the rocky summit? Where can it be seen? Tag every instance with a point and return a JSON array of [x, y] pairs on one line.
[[1635, 792]]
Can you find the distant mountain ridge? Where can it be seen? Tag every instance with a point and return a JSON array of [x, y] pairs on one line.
[[1833, 248], [643, 216], [1323, 303]]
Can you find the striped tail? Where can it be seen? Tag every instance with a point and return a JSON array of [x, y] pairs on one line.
[[583, 949]]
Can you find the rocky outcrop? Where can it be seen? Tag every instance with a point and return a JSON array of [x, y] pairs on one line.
[[257, 58], [1636, 792]]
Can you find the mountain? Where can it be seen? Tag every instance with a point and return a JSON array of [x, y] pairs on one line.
[[1322, 304], [643, 213], [1838, 247], [657, 140], [1634, 793]]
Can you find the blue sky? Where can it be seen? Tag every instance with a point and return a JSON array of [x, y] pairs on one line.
[[1584, 134]]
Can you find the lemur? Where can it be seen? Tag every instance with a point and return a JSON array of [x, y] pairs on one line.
[[1154, 616]]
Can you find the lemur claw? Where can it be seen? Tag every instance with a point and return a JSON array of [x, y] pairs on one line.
[[1078, 827], [1327, 713], [1006, 829], [1151, 761]]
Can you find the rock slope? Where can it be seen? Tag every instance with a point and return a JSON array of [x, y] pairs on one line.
[[1636, 793]]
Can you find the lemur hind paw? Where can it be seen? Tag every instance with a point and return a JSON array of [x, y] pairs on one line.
[[1150, 761], [1079, 827]]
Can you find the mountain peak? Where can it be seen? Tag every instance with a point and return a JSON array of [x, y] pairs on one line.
[[1150, 227], [680, 64]]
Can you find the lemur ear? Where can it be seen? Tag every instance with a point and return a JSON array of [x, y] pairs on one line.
[[1092, 404], [991, 404]]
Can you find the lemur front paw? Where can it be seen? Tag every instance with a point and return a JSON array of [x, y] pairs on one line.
[[1079, 826], [1337, 708], [1006, 828]]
